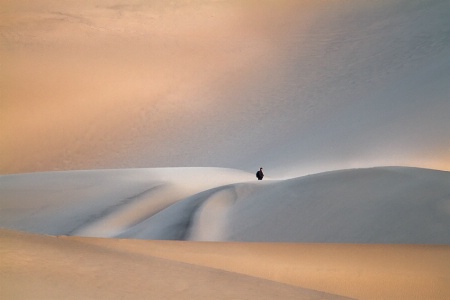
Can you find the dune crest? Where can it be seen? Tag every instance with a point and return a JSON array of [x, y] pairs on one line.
[[394, 205], [376, 205]]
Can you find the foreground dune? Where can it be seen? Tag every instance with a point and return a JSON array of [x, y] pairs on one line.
[[357, 271], [35, 266], [43, 267]]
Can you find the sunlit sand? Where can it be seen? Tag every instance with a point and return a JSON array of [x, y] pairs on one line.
[[385, 209], [131, 131]]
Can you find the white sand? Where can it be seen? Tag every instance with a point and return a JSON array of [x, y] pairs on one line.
[[297, 87], [377, 205], [104, 201]]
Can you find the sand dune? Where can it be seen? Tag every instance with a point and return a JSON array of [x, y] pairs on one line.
[[373, 206], [298, 87], [354, 270], [42, 267], [73, 267], [376, 205], [68, 202]]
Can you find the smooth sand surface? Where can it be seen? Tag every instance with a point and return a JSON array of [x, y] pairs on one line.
[[375, 205], [101, 268], [345, 207], [296, 86], [100, 202], [44, 267], [342, 209]]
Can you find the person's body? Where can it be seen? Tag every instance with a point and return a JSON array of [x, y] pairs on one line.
[[260, 174]]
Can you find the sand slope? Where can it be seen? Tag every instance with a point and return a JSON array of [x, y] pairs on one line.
[[64, 202], [358, 271], [376, 205], [74, 267], [296, 86], [43, 267]]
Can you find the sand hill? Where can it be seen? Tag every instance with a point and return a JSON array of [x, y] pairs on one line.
[[376, 205], [130, 132], [349, 208]]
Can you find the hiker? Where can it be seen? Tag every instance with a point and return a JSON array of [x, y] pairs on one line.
[[260, 174]]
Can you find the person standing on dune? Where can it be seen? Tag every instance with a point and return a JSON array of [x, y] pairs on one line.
[[260, 174]]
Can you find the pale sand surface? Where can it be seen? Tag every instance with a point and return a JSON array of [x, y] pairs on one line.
[[44, 267], [123, 84], [39, 266], [375, 205], [406, 204], [353, 270], [100, 202]]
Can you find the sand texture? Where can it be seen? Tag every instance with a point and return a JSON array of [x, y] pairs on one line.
[[40, 267], [131, 131], [378, 233], [43, 267]]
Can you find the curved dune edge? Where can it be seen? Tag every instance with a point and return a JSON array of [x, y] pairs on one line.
[[383, 205], [370, 271], [45, 267]]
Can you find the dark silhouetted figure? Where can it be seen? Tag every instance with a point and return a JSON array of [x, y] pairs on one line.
[[260, 174]]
